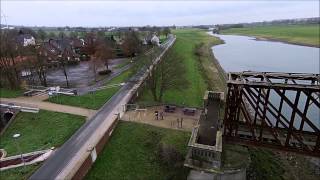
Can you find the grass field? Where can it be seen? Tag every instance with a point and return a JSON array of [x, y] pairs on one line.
[[297, 34], [20, 173], [95, 100], [199, 71], [39, 131], [131, 153], [8, 93]]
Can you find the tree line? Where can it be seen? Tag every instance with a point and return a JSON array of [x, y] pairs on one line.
[[15, 57]]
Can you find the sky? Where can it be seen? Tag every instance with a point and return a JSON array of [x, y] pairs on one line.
[[141, 13]]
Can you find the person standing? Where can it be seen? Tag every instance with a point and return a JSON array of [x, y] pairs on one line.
[[161, 115], [156, 115]]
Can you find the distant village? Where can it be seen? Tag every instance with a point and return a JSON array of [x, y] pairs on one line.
[[30, 52]]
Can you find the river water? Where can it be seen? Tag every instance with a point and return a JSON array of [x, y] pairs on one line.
[[242, 53]]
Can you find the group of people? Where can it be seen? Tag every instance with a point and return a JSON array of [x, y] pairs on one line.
[[157, 114]]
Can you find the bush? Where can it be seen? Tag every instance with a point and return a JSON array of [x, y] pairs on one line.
[[169, 156], [73, 62], [104, 72]]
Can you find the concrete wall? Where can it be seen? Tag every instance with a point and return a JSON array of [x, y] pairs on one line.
[[228, 175], [85, 167]]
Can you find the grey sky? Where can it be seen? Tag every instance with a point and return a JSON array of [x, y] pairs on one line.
[[139, 13]]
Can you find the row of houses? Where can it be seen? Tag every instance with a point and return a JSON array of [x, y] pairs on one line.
[[72, 48]]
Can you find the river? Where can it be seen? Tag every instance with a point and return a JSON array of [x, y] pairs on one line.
[[242, 53]]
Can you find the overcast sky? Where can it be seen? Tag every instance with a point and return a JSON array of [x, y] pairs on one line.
[[139, 13]]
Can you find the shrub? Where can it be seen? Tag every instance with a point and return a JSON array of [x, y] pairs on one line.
[[169, 156], [104, 72]]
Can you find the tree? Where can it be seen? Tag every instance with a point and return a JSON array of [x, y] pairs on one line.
[[64, 63], [90, 44], [166, 31], [61, 35], [95, 63], [38, 62], [73, 34], [9, 53], [42, 35], [168, 74], [131, 44], [52, 35], [101, 34], [104, 52]]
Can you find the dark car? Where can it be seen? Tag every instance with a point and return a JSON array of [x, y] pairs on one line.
[[170, 109], [189, 111]]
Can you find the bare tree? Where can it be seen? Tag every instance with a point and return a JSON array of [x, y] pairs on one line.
[[104, 52], [38, 62], [95, 63], [131, 44], [9, 52], [168, 74]]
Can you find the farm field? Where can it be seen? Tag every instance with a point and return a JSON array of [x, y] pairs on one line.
[[296, 34]]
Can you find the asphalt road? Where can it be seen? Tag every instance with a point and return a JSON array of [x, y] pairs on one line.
[[54, 165], [115, 73]]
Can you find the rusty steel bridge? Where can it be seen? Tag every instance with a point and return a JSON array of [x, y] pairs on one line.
[[274, 110]]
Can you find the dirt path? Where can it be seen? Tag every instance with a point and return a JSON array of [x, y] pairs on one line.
[[34, 102]]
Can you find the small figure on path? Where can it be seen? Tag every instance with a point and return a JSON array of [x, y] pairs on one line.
[[156, 114], [161, 115], [178, 122], [181, 122]]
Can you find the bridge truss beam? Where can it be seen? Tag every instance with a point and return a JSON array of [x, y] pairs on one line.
[[276, 110]]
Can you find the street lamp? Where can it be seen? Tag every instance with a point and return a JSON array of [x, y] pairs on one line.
[[16, 136]]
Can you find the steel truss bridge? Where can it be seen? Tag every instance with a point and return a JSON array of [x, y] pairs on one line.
[[274, 110]]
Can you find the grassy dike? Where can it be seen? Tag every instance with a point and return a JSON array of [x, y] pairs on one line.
[[135, 152], [202, 73], [307, 35]]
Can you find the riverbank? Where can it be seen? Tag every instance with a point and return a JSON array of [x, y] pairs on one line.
[[201, 71], [266, 163], [304, 35]]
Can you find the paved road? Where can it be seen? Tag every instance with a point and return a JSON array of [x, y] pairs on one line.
[[115, 73], [71, 154]]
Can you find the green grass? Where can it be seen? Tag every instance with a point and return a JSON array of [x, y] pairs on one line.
[[19, 173], [185, 44], [162, 38], [39, 131], [92, 101], [296, 34], [234, 157], [264, 165], [124, 63], [131, 153], [8, 93]]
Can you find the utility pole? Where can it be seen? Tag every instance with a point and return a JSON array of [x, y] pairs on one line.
[[5, 19]]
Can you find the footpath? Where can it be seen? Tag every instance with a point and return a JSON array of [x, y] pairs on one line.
[[34, 102]]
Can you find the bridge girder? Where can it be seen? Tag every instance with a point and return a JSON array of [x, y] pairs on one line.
[[276, 110]]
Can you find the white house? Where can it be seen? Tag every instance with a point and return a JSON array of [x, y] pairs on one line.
[[155, 40]]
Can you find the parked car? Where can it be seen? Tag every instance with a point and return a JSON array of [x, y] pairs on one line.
[[189, 111], [170, 109]]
